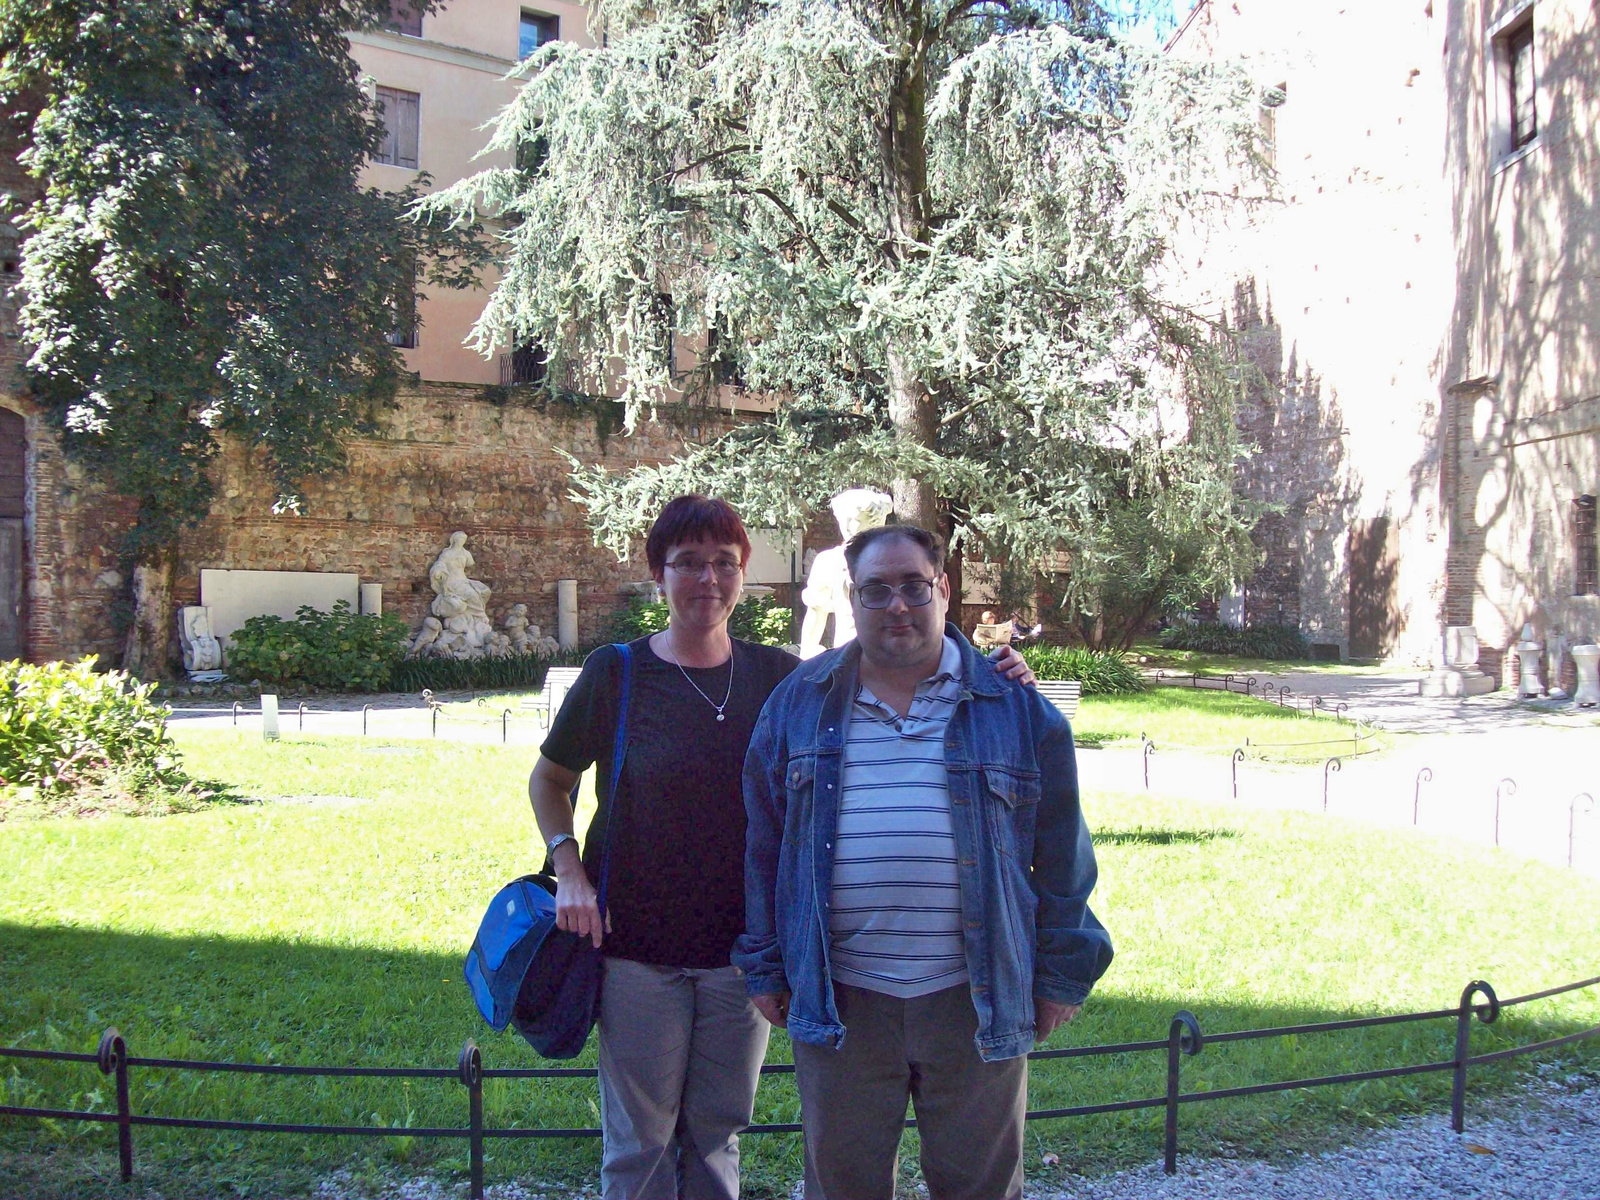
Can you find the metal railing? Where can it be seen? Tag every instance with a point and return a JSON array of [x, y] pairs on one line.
[[1184, 1038]]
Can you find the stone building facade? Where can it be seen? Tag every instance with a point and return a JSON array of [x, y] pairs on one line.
[[1419, 311]]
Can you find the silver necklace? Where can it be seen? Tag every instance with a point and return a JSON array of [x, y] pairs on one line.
[[696, 686]]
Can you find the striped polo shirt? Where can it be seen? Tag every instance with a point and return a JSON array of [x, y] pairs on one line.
[[895, 919]]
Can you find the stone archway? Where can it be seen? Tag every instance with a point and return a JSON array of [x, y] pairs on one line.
[[13, 476]]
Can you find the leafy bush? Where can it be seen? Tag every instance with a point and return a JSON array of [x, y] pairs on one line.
[[477, 674], [1102, 672], [338, 651], [1255, 641], [64, 727], [756, 619]]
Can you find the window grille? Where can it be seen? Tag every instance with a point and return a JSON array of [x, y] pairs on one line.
[[1588, 550]]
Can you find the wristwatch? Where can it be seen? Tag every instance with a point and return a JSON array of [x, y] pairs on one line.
[[550, 846]]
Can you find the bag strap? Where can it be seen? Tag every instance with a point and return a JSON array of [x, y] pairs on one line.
[[618, 752]]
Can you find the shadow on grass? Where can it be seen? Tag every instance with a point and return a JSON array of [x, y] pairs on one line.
[[282, 1002], [1160, 837]]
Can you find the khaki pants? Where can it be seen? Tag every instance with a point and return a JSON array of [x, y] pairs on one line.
[[680, 1055], [852, 1101]]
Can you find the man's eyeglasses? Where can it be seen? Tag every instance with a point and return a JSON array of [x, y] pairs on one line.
[[691, 567], [915, 592]]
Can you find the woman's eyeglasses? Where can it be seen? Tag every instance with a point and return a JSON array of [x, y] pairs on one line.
[[915, 592], [692, 568]]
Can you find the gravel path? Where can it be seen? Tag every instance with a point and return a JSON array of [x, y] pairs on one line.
[[1544, 1145]]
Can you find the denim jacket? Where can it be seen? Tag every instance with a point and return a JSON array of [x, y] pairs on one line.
[[1025, 859]]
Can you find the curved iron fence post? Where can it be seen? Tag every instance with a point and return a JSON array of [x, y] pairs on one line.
[[1335, 765], [1458, 1089], [302, 716], [365, 709], [236, 707], [1249, 685], [1339, 710], [470, 1067], [505, 725], [1282, 692], [1572, 820], [1149, 749], [1238, 757], [435, 711], [1506, 787], [113, 1055], [1183, 1037], [1423, 776]]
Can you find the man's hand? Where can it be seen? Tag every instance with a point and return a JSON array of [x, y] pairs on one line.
[[774, 1006], [1012, 665], [1049, 1016]]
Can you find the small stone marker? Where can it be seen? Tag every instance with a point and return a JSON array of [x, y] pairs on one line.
[[269, 717]]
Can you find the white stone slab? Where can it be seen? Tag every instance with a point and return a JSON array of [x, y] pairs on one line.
[[235, 596], [769, 556]]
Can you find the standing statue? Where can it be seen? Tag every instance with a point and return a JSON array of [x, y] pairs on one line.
[[827, 590], [201, 650]]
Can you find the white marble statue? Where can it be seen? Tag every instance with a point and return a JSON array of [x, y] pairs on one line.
[[422, 646], [201, 650], [461, 606], [827, 590], [525, 638]]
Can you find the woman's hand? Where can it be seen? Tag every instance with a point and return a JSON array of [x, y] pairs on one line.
[[1012, 665], [577, 906]]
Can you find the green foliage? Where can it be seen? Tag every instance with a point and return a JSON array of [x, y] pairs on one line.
[[937, 232], [203, 260], [67, 727], [477, 674], [338, 651], [1253, 641], [1102, 672], [755, 619]]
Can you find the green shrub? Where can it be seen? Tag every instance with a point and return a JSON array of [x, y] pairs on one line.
[[476, 674], [338, 651], [1102, 672], [756, 619], [1255, 641], [67, 727]]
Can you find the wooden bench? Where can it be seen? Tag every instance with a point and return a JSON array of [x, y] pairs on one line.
[[1063, 693]]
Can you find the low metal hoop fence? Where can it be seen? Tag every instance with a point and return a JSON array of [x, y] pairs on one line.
[[1184, 1038]]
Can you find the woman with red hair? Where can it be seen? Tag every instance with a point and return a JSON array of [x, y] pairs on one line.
[[681, 1045]]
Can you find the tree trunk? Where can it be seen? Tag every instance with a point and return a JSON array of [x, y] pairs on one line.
[[151, 631], [904, 139]]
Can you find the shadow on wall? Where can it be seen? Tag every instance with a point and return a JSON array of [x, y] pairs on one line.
[[1298, 466], [1523, 341]]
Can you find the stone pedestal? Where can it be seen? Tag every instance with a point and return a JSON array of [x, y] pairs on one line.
[[372, 599], [1587, 659], [1460, 675], [1529, 652], [567, 613]]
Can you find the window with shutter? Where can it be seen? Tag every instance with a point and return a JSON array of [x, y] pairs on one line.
[[401, 119]]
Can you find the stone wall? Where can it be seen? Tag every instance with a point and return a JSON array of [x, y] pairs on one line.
[[444, 458]]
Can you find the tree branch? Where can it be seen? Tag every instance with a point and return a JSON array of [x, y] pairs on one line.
[[782, 206]]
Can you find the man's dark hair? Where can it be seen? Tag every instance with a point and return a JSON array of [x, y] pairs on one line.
[[932, 544]]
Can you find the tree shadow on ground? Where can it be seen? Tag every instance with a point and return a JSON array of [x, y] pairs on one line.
[[282, 1002]]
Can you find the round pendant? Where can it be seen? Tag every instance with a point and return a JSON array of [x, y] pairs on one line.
[[719, 716]]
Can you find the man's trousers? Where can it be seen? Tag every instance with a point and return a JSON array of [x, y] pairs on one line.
[[969, 1112]]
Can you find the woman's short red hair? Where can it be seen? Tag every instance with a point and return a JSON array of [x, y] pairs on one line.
[[694, 519]]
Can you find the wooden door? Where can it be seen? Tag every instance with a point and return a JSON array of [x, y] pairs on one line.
[[12, 477], [1374, 559]]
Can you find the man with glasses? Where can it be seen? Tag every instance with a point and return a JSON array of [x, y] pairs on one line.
[[917, 875]]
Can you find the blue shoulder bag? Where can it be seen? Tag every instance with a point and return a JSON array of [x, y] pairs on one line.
[[523, 971]]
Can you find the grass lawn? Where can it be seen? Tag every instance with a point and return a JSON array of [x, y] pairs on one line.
[[1151, 654], [331, 931], [1188, 718]]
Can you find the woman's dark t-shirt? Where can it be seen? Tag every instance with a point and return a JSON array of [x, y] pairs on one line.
[[677, 865]]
